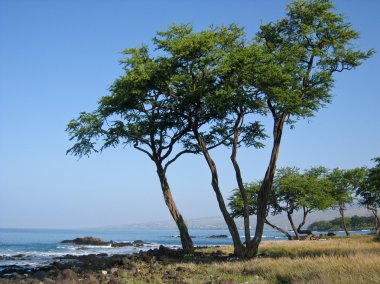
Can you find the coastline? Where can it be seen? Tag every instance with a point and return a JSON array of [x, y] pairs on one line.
[[294, 261]]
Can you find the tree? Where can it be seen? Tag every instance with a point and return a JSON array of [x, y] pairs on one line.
[[354, 223], [292, 192], [345, 184], [252, 190], [299, 56], [369, 191], [306, 192], [208, 81], [209, 91], [130, 116]]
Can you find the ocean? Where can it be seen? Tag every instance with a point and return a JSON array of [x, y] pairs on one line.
[[31, 248]]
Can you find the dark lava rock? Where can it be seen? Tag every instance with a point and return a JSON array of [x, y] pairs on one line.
[[223, 281], [305, 232], [120, 245], [218, 237], [138, 243], [132, 266], [182, 268], [19, 255], [68, 274], [49, 281], [86, 241], [91, 280], [165, 251], [40, 275]]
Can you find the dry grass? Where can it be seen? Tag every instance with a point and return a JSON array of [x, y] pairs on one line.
[[344, 260]]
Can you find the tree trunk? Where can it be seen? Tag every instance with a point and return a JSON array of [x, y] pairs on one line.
[[290, 237], [266, 187], [377, 220], [299, 229], [239, 179], [341, 211], [238, 246], [290, 218], [186, 241]]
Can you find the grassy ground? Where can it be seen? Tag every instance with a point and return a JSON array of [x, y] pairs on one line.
[[339, 260]]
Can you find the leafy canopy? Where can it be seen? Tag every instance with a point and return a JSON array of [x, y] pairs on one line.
[[292, 191], [345, 183], [299, 55], [369, 191]]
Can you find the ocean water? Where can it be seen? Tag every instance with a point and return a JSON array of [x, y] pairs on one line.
[[30, 248]]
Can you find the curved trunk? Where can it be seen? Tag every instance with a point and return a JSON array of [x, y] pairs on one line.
[[377, 220], [239, 179], [186, 241], [279, 229], [299, 229], [341, 212], [239, 249], [266, 187], [290, 218]]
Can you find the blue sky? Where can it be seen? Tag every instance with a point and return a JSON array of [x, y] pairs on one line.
[[58, 58]]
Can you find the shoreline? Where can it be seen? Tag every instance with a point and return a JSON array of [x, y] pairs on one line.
[[356, 257], [97, 268]]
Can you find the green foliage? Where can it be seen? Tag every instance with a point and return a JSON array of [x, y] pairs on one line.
[[299, 55], [209, 82], [353, 223], [236, 201], [369, 191], [200, 90], [345, 183], [292, 191]]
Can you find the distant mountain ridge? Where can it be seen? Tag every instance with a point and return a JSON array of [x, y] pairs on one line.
[[217, 222]]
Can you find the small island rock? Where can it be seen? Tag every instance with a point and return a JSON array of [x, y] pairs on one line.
[[218, 237], [91, 241]]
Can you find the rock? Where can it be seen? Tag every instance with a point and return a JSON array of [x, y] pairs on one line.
[[218, 237], [305, 232], [40, 275], [331, 234], [35, 281], [138, 243], [68, 274], [315, 237], [169, 275], [125, 261], [86, 241], [182, 268], [18, 255], [120, 245], [114, 281], [91, 280], [16, 276], [104, 272], [164, 251], [223, 281], [132, 266]]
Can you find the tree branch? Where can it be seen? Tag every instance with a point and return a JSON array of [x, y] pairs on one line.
[[177, 156], [135, 145]]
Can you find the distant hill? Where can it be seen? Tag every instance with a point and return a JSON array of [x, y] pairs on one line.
[[218, 222]]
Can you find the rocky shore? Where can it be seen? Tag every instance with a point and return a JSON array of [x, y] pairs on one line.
[[91, 241], [102, 268]]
